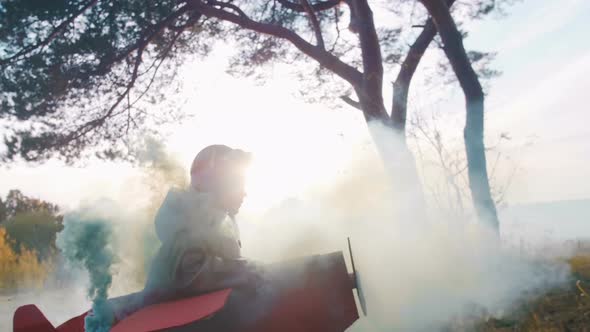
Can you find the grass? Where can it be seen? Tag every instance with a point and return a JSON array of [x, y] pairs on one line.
[[559, 310]]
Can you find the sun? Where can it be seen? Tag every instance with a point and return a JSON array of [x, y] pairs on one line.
[[296, 147], [272, 178], [285, 163]]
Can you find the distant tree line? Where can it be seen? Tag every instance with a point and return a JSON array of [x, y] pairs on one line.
[[30, 223]]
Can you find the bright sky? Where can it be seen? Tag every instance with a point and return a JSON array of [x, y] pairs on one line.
[[543, 53], [542, 96]]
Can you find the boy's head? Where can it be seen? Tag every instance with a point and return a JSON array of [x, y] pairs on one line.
[[220, 170]]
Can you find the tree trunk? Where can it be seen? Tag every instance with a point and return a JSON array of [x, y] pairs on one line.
[[401, 86], [474, 99], [409, 202]]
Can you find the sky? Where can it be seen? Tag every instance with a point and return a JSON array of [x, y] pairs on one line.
[[541, 97], [539, 101]]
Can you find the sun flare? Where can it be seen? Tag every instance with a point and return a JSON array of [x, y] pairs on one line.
[[295, 148], [272, 178]]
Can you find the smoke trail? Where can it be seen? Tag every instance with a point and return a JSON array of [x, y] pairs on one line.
[[86, 242], [93, 234]]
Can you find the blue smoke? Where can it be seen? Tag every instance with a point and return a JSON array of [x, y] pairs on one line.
[[87, 243]]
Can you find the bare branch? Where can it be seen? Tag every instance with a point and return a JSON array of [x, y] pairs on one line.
[[59, 29], [315, 24], [320, 6], [129, 117], [337, 22], [326, 59], [352, 102]]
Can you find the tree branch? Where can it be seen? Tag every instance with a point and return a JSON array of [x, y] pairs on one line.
[[352, 102], [93, 124], [454, 48], [336, 24], [315, 24], [326, 59], [193, 18], [401, 85], [231, 6], [141, 45], [165, 23], [157, 67], [320, 6], [54, 33], [372, 96]]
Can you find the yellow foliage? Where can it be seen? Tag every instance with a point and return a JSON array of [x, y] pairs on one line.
[[20, 270], [581, 264]]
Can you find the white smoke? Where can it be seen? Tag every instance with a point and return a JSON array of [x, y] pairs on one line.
[[417, 276]]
